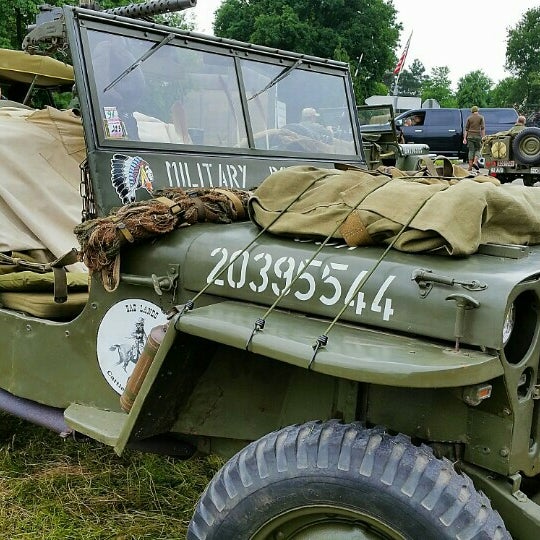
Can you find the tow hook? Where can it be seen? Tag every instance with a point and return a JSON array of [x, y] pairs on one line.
[[464, 302]]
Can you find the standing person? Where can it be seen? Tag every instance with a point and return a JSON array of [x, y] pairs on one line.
[[475, 129]]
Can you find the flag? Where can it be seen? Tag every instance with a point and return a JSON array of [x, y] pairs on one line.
[[401, 61]]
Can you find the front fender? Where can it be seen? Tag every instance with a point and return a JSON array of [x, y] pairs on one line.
[[352, 352]]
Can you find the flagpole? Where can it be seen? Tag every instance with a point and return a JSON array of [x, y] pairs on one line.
[[358, 65]]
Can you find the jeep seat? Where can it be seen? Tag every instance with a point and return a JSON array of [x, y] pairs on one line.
[[32, 293]]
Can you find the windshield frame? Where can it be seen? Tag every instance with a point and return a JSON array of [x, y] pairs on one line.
[[288, 62]]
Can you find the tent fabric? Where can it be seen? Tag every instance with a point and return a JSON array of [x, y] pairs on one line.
[[20, 66], [29, 281], [42, 305], [447, 216], [40, 204]]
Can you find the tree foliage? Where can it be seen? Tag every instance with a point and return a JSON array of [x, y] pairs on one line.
[[522, 55], [411, 80], [473, 89], [438, 86], [364, 32], [523, 44], [507, 93]]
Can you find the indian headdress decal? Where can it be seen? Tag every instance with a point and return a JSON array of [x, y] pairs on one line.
[[130, 174]]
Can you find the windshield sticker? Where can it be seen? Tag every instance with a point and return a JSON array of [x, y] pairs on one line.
[[130, 174], [114, 127], [121, 338]]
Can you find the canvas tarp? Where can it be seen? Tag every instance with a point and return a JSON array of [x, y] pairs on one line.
[[450, 216], [41, 71], [40, 204]]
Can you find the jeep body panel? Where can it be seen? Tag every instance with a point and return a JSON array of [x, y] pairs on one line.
[[514, 154]]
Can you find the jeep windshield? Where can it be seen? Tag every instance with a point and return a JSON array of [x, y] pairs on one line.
[[201, 111], [168, 91]]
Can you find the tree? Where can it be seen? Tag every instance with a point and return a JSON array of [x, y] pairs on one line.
[[353, 29], [523, 44], [522, 58], [411, 80], [438, 86], [507, 93], [473, 89]]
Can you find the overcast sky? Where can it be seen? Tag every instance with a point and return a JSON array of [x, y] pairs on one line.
[[464, 35]]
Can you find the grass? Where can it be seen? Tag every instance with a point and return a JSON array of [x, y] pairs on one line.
[[60, 489]]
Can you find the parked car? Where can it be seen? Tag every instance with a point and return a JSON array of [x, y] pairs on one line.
[[442, 129]]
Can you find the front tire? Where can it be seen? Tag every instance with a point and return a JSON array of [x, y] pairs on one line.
[[342, 481]]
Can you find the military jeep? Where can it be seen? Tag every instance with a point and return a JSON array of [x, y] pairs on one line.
[[383, 142], [362, 346], [514, 154]]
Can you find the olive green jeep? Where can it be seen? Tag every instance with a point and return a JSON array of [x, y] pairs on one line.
[[383, 141], [513, 154], [201, 258]]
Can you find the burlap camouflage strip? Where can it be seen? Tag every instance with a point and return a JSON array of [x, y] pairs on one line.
[[101, 239]]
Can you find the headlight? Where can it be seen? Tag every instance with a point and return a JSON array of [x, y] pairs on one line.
[[520, 327], [508, 325]]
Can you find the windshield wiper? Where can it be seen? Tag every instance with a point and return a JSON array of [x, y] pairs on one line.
[[277, 78], [142, 59]]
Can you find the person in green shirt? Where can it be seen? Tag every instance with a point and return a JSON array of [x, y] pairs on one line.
[[475, 129]]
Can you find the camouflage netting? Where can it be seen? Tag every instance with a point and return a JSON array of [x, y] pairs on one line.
[[101, 239]]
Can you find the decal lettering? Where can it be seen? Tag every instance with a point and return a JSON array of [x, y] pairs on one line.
[[272, 169], [186, 175], [305, 279]]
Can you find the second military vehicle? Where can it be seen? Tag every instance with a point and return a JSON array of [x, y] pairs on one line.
[[514, 154], [363, 346]]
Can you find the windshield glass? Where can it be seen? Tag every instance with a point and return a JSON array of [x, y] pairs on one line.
[[176, 95], [297, 110], [166, 92]]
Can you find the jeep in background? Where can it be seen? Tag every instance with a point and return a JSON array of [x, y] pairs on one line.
[[513, 154], [380, 383], [442, 129], [383, 142]]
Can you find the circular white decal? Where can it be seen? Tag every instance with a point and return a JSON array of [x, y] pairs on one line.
[[121, 338]]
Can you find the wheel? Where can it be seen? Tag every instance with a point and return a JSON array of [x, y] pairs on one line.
[[329, 480], [526, 146]]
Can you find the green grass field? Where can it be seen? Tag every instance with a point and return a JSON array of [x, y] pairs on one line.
[[60, 489]]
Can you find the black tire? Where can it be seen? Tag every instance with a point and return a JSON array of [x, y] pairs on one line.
[[505, 178], [332, 480], [526, 146]]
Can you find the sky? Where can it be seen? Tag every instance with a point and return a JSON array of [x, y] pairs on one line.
[[464, 35]]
